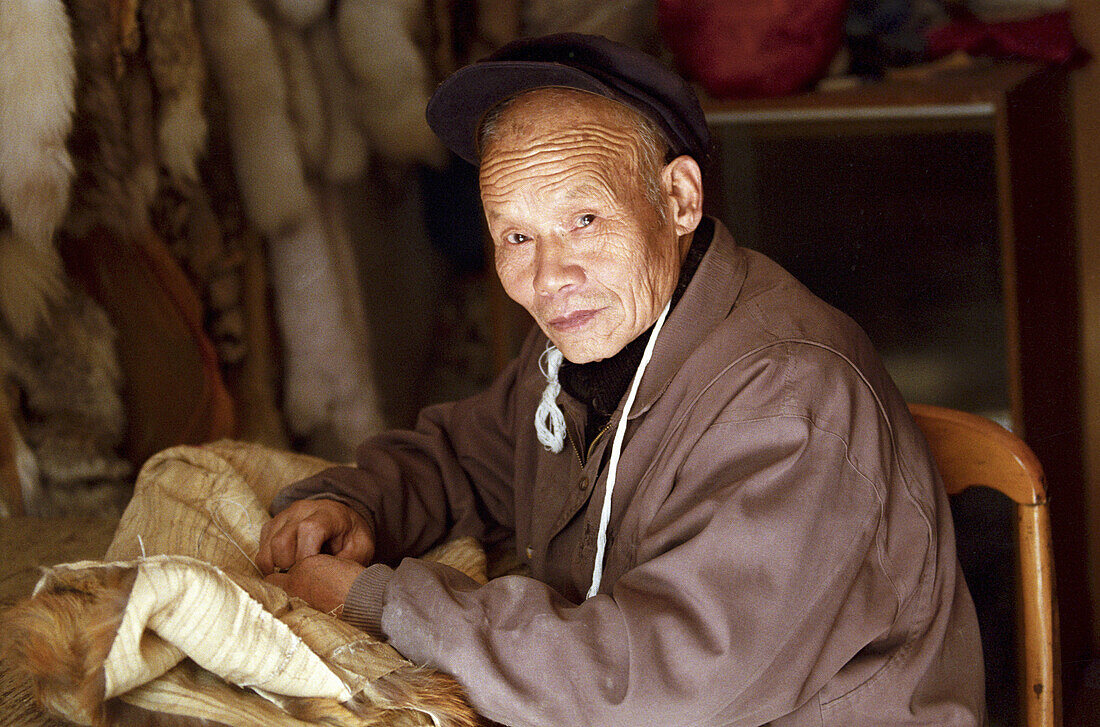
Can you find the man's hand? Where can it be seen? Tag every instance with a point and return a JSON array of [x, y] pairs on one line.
[[311, 527], [322, 581]]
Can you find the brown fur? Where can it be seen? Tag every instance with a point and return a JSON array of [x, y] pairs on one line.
[[174, 53], [105, 193], [61, 637], [69, 383]]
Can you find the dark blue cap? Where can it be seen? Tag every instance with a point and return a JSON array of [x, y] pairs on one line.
[[569, 60]]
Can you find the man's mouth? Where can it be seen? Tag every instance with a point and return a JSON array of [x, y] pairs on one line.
[[572, 321]]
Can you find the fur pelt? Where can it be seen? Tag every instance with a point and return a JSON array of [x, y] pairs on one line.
[[115, 176], [242, 53], [191, 531], [174, 52], [346, 154], [329, 391], [73, 414], [37, 100], [61, 639], [300, 13], [31, 284], [393, 76], [305, 103], [62, 636]]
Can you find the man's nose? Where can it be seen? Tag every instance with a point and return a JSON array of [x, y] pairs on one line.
[[555, 270]]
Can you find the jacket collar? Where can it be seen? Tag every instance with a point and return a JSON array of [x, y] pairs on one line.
[[707, 301]]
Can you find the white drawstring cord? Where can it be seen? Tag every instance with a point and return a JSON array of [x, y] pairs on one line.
[[616, 449], [549, 420]]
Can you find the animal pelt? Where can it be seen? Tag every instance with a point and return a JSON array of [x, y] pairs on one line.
[[245, 63], [75, 637], [62, 638], [300, 13], [305, 102], [68, 381], [383, 44], [346, 155], [329, 391], [37, 100], [183, 215], [116, 177], [31, 283], [174, 53]]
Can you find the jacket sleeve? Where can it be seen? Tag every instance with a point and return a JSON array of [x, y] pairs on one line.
[[747, 587], [449, 476]]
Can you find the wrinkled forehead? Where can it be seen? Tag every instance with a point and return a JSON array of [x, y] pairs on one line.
[[555, 126], [562, 156], [550, 110]]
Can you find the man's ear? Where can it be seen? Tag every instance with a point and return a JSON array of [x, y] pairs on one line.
[[683, 184]]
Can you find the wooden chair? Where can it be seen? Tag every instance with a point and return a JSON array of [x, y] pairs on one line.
[[970, 450]]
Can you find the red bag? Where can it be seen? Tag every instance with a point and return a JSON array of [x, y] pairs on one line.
[[753, 48]]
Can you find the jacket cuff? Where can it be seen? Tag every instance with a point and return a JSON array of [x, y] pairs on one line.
[[363, 604]]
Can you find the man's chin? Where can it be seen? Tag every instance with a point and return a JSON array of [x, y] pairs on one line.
[[581, 353]]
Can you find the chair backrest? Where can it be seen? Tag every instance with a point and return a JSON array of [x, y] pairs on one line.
[[971, 450]]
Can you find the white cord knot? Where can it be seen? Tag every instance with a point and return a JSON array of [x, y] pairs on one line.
[[549, 420]]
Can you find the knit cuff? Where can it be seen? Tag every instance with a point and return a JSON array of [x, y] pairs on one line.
[[363, 605]]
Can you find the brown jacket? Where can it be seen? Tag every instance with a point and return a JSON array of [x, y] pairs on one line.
[[780, 549]]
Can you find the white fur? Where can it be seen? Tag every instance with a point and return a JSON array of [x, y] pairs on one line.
[[37, 81], [301, 13], [392, 75], [328, 381], [174, 51], [346, 154], [242, 53], [307, 108]]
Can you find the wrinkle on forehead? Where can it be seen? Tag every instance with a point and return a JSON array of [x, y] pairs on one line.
[[558, 123], [577, 164]]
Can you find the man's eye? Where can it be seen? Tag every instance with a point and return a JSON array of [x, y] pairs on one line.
[[586, 220], [516, 238]]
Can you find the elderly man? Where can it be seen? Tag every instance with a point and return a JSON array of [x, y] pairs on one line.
[[726, 513]]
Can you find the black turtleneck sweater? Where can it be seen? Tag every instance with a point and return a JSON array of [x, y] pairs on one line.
[[600, 385]]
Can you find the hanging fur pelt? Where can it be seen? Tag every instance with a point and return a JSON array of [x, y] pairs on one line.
[[75, 419], [346, 153], [241, 51], [393, 78], [325, 397], [37, 81], [174, 52], [276, 117]]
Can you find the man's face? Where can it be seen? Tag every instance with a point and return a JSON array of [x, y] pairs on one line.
[[577, 241]]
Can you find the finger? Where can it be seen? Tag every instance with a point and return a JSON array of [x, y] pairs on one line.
[[282, 580], [263, 555], [311, 537], [355, 546], [284, 545]]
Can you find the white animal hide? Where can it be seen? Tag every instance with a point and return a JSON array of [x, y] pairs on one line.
[[300, 13], [328, 381], [246, 66], [306, 106], [174, 52], [37, 82], [346, 154], [392, 75]]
